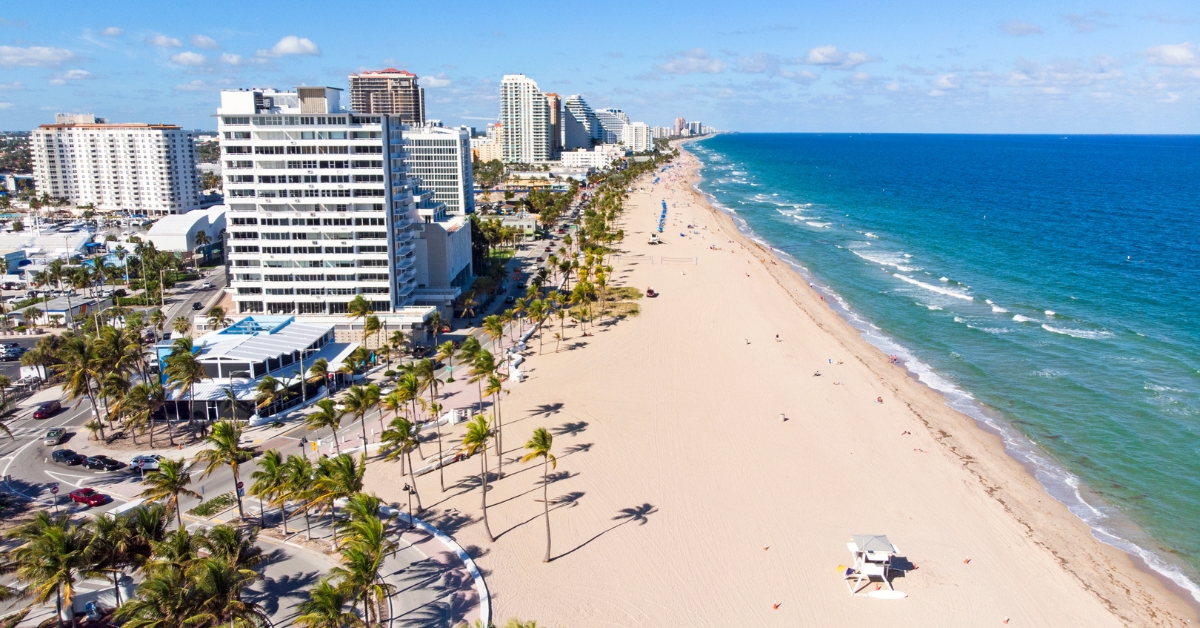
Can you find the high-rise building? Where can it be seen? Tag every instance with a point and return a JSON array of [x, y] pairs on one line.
[[680, 125], [320, 204], [525, 115], [391, 91], [638, 137], [580, 128], [141, 168], [695, 128], [555, 105], [439, 161], [613, 122]]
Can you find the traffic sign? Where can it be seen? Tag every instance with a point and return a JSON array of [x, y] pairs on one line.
[[239, 485], [142, 463], [54, 489]]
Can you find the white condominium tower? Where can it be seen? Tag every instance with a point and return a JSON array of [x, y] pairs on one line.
[[580, 128], [142, 168], [439, 159], [320, 206], [639, 138], [525, 115], [613, 121]]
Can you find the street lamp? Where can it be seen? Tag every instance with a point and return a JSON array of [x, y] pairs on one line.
[[303, 442], [408, 490], [233, 395]]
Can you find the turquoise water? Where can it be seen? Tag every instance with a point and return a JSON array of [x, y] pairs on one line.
[[1047, 286]]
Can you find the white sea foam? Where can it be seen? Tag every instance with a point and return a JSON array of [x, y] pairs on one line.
[[821, 225], [997, 309], [959, 320], [871, 235], [933, 307], [932, 288], [1021, 319], [1050, 313], [883, 258], [1079, 333], [944, 279]]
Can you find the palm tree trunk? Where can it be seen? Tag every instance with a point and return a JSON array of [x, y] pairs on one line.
[[283, 515], [362, 421], [237, 492], [178, 513], [307, 525], [546, 504], [441, 467], [499, 436], [413, 478], [483, 474], [337, 444]]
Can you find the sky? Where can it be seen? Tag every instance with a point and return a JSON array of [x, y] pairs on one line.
[[751, 66]]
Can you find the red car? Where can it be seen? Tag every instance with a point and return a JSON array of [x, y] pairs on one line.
[[88, 496], [47, 410]]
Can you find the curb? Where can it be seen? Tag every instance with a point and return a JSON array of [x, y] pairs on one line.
[[485, 601]]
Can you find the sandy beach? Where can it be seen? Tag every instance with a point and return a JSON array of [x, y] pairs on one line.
[[708, 477]]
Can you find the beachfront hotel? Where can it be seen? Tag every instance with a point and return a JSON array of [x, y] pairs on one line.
[[321, 207], [141, 168], [613, 122], [391, 91], [580, 128], [525, 116]]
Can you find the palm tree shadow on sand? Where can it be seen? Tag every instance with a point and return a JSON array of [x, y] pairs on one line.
[[637, 514]]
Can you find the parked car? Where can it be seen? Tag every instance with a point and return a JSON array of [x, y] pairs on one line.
[[102, 463], [88, 496], [54, 436], [197, 305], [510, 299], [10, 345], [151, 461], [65, 456], [47, 410]]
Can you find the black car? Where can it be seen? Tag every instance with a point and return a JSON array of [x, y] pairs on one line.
[[66, 456], [9, 345], [102, 463], [197, 305]]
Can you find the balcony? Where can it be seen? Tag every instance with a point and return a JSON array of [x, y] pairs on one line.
[[405, 249], [402, 237], [405, 289]]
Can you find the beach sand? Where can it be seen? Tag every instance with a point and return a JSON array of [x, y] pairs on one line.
[[688, 500]]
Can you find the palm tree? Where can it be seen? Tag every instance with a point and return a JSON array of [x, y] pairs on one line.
[[482, 365], [327, 415], [225, 448], [445, 352], [270, 482], [326, 608], [81, 366], [267, 392], [359, 400], [181, 326], [357, 308], [203, 240], [217, 318], [476, 441], [435, 323], [298, 474], [401, 435], [337, 478], [318, 371], [184, 371], [371, 326], [168, 482], [495, 329], [50, 563], [539, 447], [157, 321], [495, 386], [364, 547]]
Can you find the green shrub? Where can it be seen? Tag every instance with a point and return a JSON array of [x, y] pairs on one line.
[[213, 506]]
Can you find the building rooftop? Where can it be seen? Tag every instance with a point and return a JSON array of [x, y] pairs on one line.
[[258, 338]]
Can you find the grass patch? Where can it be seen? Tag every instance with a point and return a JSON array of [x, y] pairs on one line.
[[213, 506], [623, 293]]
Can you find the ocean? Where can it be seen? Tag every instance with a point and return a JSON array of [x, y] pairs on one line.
[[1048, 286]]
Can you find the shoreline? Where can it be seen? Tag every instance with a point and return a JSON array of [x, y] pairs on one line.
[[1004, 432]]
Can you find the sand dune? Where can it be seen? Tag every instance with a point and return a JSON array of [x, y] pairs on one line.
[[687, 500]]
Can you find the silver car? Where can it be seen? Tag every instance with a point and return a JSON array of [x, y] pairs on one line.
[[54, 436]]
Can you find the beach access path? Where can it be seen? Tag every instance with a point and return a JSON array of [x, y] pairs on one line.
[[682, 496]]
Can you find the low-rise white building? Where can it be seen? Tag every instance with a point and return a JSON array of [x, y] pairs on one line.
[[599, 158], [638, 137], [178, 233], [439, 161], [444, 267]]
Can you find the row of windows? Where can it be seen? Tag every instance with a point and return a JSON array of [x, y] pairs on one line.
[[289, 278], [329, 222], [294, 150], [358, 235], [305, 193]]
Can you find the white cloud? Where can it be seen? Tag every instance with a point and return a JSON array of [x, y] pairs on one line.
[[1018, 28], [162, 41], [832, 57], [14, 86], [946, 82], [291, 45], [1178, 55], [70, 75], [231, 59], [757, 63], [201, 86], [695, 61], [1087, 22], [33, 56], [111, 31], [6, 105], [204, 41], [189, 58], [800, 76], [435, 82]]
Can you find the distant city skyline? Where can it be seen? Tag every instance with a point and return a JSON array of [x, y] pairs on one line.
[[1018, 67]]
